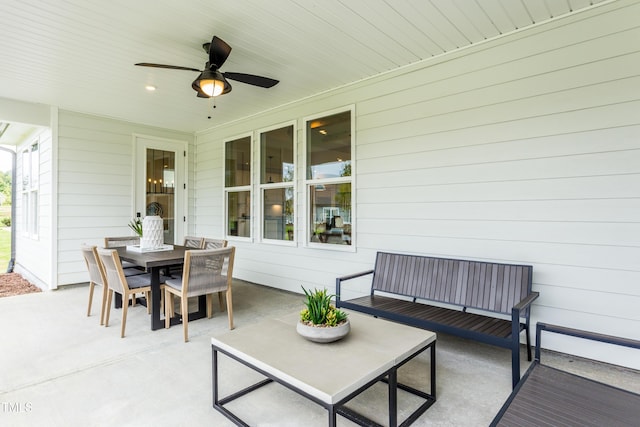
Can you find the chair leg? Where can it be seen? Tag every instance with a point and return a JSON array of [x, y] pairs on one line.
[[230, 308], [221, 300], [185, 316], [209, 306], [103, 306], [147, 296], [91, 286], [125, 307], [167, 310], [109, 298]]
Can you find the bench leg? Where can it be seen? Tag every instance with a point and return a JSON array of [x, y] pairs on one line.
[[528, 344], [515, 351], [515, 366]]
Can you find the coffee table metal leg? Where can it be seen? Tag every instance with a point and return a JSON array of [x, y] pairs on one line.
[[433, 370], [332, 415], [393, 398]]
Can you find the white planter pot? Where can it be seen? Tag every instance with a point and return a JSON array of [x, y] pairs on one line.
[[324, 334]]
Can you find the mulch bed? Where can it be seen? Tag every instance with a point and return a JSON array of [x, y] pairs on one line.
[[14, 284]]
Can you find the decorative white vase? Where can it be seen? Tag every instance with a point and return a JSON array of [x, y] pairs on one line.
[[152, 232], [323, 334]]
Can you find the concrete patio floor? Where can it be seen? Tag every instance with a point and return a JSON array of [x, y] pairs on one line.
[[60, 368]]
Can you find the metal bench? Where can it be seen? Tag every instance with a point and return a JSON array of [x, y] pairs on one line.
[[404, 288], [551, 396]]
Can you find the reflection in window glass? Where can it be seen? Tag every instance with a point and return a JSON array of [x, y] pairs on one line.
[[276, 153], [277, 167], [160, 189], [278, 213], [237, 162], [329, 146], [330, 209], [238, 214]]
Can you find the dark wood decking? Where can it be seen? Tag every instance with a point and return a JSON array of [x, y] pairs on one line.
[[550, 397]]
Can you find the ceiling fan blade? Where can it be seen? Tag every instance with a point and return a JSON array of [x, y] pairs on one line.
[[251, 79], [171, 67], [219, 51]]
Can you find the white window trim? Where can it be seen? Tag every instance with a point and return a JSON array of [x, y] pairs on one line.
[[249, 188], [261, 187], [29, 217], [307, 182]]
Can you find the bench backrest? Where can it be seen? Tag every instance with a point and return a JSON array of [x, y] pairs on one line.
[[474, 284]]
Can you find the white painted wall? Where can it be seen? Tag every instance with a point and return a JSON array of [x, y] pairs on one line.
[[523, 149], [95, 184]]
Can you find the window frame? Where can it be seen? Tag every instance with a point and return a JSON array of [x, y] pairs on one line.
[[262, 187], [309, 182], [239, 188], [31, 190]]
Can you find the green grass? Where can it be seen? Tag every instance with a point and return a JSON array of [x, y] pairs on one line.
[[5, 248]]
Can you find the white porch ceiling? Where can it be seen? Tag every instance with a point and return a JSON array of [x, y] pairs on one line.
[[79, 54]]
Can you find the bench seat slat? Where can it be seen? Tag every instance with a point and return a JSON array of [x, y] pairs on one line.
[[452, 318]]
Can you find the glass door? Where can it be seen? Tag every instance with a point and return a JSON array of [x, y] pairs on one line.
[[160, 189]]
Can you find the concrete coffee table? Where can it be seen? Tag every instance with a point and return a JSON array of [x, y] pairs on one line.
[[328, 374]]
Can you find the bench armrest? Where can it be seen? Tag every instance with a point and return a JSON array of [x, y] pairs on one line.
[[609, 339], [526, 302], [517, 309], [339, 280]]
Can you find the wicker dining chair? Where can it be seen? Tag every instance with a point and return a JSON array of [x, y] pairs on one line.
[[205, 272], [193, 242], [129, 268], [96, 277], [209, 243], [121, 242], [125, 286], [189, 242]]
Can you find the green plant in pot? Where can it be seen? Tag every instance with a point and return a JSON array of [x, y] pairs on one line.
[[321, 321], [136, 226]]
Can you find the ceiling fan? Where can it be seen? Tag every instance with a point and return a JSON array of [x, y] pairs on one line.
[[211, 81]]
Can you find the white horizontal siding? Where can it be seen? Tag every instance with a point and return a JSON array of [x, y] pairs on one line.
[[95, 184], [523, 149]]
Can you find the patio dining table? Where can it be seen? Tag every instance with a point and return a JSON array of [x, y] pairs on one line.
[[153, 262]]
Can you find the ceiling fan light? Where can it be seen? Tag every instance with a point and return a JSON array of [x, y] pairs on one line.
[[212, 87], [210, 83]]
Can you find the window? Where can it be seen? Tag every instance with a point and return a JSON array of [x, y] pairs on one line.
[[277, 180], [30, 184], [237, 182], [329, 145]]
